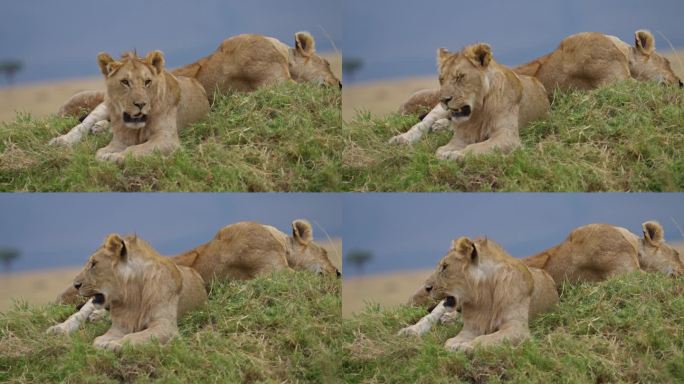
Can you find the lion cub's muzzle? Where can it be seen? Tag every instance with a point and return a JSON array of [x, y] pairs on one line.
[[135, 121], [464, 111], [458, 113]]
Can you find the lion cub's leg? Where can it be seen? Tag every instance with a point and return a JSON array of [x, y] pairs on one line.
[[505, 138], [414, 134], [514, 332], [98, 114], [464, 337], [161, 330], [74, 321], [425, 324]]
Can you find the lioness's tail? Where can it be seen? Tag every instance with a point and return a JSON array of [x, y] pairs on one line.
[[81, 104]]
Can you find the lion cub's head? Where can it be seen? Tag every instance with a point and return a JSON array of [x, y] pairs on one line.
[[307, 254], [113, 266], [134, 85], [466, 264], [655, 255], [463, 80], [646, 64], [308, 66]]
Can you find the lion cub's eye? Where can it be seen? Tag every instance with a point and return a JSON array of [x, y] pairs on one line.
[[124, 82], [148, 82], [460, 77]]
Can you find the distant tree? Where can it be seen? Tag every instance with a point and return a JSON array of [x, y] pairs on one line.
[[10, 68], [359, 258], [350, 66], [8, 256]]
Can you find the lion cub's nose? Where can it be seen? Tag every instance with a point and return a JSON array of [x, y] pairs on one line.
[[428, 288], [77, 285], [140, 105], [446, 99]]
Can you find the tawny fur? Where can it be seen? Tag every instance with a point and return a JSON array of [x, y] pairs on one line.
[[589, 60], [497, 293], [145, 292], [245, 250], [499, 104], [586, 61], [596, 252]]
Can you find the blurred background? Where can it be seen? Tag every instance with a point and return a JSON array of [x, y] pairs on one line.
[[390, 52], [42, 43], [393, 241], [46, 238]]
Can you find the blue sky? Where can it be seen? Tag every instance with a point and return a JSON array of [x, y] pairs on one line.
[[414, 230], [397, 38], [57, 39], [63, 229]]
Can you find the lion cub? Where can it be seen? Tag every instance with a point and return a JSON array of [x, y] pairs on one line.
[[145, 292], [497, 294], [147, 105], [485, 104]]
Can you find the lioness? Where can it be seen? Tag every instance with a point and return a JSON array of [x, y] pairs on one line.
[[497, 294], [245, 250], [589, 60], [596, 252], [586, 60], [240, 63], [484, 102], [146, 293]]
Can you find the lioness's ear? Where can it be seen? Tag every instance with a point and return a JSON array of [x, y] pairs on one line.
[[305, 44], [644, 41], [442, 55], [653, 232], [302, 232], [106, 63], [115, 244], [479, 54], [156, 59], [465, 246]]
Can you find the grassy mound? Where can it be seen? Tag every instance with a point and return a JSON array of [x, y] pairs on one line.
[[282, 138], [628, 329], [279, 328], [625, 137]]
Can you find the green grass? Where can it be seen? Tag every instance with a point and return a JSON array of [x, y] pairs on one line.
[[282, 138], [625, 137], [274, 329], [628, 329]]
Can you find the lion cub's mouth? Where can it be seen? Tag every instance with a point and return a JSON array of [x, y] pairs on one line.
[[134, 119], [98, 298], [464, 111]]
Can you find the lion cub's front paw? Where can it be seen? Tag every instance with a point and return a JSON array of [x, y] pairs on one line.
[[411, 330], [440, 125], [97, 315], [100, 126], [65, 140], [450, 154], [116, 157], [454, 345], [108, 344], [400, 139], [58, 329]]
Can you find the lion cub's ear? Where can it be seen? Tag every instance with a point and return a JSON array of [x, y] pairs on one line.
[[115, 244], [302, 232], [107, 65], [156, 60], [466, 247], [479, 54], [644, 42], [305, 44], [442, 55], [653, 232]]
